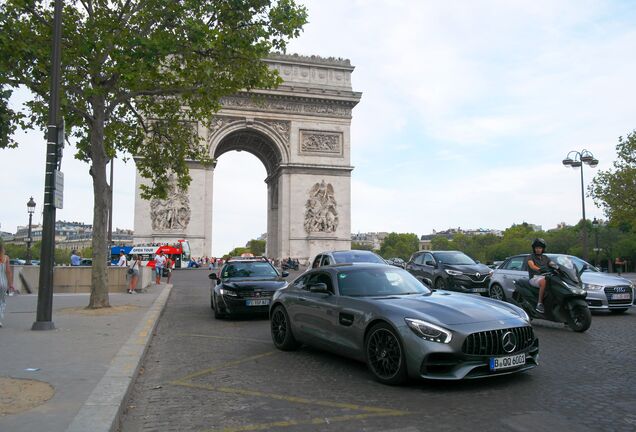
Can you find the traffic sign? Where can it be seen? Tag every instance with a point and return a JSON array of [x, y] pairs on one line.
[[58, 194]]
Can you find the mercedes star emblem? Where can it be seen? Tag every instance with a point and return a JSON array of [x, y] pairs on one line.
[[509, 342]]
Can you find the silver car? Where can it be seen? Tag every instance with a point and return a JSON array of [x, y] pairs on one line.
[[604, 291], [383, 316]]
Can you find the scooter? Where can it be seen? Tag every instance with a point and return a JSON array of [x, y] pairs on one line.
[[564, 300]]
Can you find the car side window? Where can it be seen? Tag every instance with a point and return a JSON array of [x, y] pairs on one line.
[[419, 259], [301, 283], [320, 278], [316, 262], [428, 257], [326, 260], [515, 263]]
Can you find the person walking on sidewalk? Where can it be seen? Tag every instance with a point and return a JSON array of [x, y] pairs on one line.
[[133, 272], [6, 281], [169, 264], [160, 262], [122, 259]]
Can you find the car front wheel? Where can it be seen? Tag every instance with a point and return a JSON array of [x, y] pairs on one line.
[[281, 330], [496, 292], [385, 355]]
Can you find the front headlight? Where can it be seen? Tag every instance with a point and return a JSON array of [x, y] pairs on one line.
[[428, 331], [453, 272], [592, 287], [225, 291]]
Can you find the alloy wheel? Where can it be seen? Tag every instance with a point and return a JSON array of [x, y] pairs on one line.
[[496, 292], [384, 354], [279, 326]]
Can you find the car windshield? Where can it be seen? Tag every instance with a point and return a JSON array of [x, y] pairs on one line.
[[378, 281], [248, 269], [356, 257], [454, 258]]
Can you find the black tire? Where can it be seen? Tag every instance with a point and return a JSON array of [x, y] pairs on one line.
[[217, 313], [281, 330], [211, 302], [385, 355], [618, 311], [440, 284], [579, 316], [496, 292]]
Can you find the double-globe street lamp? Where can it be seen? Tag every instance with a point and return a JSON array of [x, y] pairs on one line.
[[579, 158], [29, 239]]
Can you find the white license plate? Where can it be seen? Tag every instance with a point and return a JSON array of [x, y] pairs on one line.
[[497, 363], [257, 302], [480, 290], [625, 296]]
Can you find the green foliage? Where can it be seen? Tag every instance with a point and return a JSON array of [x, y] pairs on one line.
[[399, 245], [615, 190], [361, 246], [237, 251], [257, 247]]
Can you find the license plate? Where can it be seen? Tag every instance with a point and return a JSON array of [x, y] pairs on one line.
[[480, 290], [497, 363], [257, 302], [625, 296]]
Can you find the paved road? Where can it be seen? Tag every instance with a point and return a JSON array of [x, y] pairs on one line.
[[207, 375]]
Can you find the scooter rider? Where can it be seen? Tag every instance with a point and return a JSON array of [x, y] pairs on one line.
[[538, 263]]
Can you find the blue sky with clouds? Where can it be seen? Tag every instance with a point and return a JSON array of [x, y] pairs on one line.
[[467, 110]]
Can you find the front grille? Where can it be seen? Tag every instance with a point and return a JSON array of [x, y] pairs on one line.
[[489, 343], [618, 290]]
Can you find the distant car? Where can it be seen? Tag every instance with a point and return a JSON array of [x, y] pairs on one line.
[[397, 261], [383, 316], [17, 261], [86, 262], [346, 257], [244, 286], [450, 270], [604, 291]]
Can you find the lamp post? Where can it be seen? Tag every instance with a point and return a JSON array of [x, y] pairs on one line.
[[29, 239], [583, 157], [595, 224]]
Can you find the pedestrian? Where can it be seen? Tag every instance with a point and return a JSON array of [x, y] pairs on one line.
[[619, 262], [133, 273], [169, 264], [122, 259], [160, 262], [6, 281], [75, 258]]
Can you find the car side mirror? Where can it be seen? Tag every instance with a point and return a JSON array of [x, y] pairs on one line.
[[319, 288], [212, 276], [285, 274], [430, 263]]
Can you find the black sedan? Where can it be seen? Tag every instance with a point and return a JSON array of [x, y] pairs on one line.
[[385, 317], [244, 286]]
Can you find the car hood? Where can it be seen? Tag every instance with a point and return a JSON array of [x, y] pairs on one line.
[[255, 284], [451, 308], [604, 279], [470, 268]]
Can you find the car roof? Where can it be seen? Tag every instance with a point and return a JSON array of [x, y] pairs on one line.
[[343, 266]]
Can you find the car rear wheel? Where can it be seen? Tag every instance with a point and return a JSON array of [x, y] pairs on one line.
[[618, 311], [496, 292], [440, 284], [281, 330], [385, 355]]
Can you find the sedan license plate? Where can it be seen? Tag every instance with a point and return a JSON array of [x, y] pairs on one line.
[[257, 302], [480, 290], [497, 363], [625, 296]]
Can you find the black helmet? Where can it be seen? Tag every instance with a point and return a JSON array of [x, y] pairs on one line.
[[538, 242]]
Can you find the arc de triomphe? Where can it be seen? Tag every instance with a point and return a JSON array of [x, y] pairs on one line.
[[301, 133]]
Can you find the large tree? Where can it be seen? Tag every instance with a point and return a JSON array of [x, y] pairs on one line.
[[615, 190], [135, 75]]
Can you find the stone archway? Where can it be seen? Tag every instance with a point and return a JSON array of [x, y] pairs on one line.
[[301, 133]]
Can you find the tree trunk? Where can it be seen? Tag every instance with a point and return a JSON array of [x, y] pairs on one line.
[[101, 194]]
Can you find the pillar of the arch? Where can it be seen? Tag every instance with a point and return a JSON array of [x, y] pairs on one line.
[[273, 200]]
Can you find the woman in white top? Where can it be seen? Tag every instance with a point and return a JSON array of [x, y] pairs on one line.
[[6, 281], [135, 262]]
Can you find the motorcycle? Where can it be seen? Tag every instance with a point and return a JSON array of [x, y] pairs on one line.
[[564, 299], [289, 265]]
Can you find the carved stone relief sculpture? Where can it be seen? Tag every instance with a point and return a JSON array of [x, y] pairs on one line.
[[320, 142], [321, 209], [172, 213]]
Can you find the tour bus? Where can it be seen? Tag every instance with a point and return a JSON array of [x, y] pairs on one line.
[[178, 252], [114, 253]]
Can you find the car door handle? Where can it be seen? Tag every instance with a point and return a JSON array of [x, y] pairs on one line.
[[345, 319], [302, 299]]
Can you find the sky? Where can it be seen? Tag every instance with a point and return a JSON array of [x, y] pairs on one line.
[[467, 110]]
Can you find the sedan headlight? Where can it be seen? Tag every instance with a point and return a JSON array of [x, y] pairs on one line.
[[592, 287], [428, 331], [453, 272], [225, 291]]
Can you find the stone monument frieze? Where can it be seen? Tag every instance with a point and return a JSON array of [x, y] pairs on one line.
[[321, 209]]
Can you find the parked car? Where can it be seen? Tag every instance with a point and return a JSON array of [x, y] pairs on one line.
[[385, 317], [397, 261], [16, 261], [450, 270], [604, 291], [345, 257], [244, 286], [86, 262]]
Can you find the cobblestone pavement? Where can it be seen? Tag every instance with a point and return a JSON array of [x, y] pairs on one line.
[[202, 374]]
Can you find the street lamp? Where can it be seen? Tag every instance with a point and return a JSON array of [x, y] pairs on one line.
[[29, 239], [583, 157]]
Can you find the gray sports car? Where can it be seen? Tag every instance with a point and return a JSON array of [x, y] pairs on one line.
[[385, 317]]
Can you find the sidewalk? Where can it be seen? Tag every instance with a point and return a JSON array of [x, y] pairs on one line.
[[89, 360]]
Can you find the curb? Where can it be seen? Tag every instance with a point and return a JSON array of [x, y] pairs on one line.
[[102, 409]]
